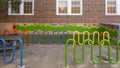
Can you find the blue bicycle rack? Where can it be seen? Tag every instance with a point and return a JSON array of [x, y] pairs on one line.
[[48, 36], [33, 41], [21, 50], [63, 36], [53, 39], [13, 51]]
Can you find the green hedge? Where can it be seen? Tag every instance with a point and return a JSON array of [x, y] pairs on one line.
[[113, 33]]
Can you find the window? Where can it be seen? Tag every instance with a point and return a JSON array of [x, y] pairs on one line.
[[69, 7], [75, 6], [28, 6], [112, 7], [62, 7], [25, 8], [15, 9]]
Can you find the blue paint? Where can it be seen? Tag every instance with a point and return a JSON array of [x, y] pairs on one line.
[[43, 39], [53, 38], [34, 35], [13, 51], [4, 55], [21, 49], [63, 37]]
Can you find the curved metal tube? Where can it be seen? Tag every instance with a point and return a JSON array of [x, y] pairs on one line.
[[7, 32], [108, 34], [78, 37], [66, 50], [28, 39], [48, 36], [13, 51], [21, 50], [93, 41], [88, 33], [96, 32], [16, 31], [33, 36], [83, 36], [75, 54], [54, 36], [117, 50], [63, 37], [4, 55], [109, 51], [92, 54], [83, 52], [4, 51]]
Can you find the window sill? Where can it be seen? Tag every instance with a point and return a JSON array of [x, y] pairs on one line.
[[70, 14], [20, 14], [112, 14]]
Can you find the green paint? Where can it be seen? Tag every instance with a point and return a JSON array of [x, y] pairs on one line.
[[117, 52], [113, 33], [66, 51], [92, 52], [83, 55]]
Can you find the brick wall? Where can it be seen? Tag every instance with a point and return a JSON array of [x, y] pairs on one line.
[[45, 12]]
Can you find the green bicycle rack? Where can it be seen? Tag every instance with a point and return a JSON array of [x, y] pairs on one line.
[[92, 52]]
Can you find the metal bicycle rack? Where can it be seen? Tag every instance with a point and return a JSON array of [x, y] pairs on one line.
[[63, 36], [53, 37], [90, 42], [88, 36], [28, 36], [43, 38], [7, 32], [16, 31], [13, 51], [33, 41]]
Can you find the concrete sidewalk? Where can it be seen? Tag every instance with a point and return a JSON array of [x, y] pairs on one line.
[[52, 56]]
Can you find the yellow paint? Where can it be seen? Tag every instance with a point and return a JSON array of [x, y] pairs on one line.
[[93, 38], [96, 32], [74, 33], [108, 36], [88, 33]]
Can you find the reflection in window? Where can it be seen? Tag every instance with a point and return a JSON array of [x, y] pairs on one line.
[[15, 8], [111, 6], [75, 6], [69, 7], [62, 5], [27, 7]]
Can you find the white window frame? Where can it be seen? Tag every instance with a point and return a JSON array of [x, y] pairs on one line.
[[21, 9], [117, 8], [69, 8]]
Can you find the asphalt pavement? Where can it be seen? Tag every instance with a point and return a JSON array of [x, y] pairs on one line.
[[53, 56]]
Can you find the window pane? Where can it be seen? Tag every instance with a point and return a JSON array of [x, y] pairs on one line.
[[15, 8], [75, 6], [62, 7], [28, 6], [111, 6]]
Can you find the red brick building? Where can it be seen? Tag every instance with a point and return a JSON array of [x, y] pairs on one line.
[[63, 11]]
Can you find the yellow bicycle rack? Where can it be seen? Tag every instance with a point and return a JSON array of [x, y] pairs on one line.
[[88, 36]]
